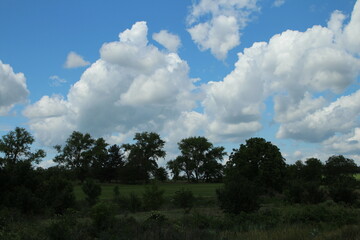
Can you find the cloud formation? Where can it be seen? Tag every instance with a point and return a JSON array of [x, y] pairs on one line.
[[170, 41], [74, 60], [296, 70], [13, 88], [215, 25], [132, 87]]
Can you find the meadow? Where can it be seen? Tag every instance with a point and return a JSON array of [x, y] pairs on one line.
[[203, 190]]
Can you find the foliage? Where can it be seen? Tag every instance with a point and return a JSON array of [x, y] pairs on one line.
[[240, 195], [153, 197], [199, 158], [59, 194], [92, 191], [339, 177], [16, 146], [76, 154], [102, 215], [184, 198], [259, 161], [143, 155], [161, 174]]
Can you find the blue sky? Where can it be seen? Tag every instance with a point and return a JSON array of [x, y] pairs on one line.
[[285, 70]]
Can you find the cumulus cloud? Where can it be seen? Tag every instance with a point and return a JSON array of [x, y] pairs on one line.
[[13, 88], [134, 86], [170, 41], [220, 31], [344, 144], [295, 69], [279, 3], [74, 60]]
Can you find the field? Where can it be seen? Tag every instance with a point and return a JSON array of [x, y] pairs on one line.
[[204, 190]]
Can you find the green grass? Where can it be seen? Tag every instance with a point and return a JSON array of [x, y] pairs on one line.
[[357, 176], [203, 190]]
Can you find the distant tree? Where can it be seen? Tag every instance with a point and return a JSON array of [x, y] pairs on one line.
[[259, 161], [115, 162], [76, 154], [313, 170], [304, 182], [99, 155], [200, 158], [339, 177], [143, 154], [161, 174], [174, 168], [16, 146], [19, 183]]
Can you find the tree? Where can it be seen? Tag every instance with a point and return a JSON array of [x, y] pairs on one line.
[[339, 177], [99, 156], [200, 157], [115, 162], [174, 167], [76, 154], [259, 161], [161, 174], [92, 191], [20, 184], [144, 153], [16, 146]]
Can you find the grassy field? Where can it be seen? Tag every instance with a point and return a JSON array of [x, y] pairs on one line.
[[203, 190]]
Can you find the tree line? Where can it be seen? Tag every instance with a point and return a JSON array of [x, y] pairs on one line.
[[255, 169]]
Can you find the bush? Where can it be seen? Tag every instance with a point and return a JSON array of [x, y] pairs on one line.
[[92, 191], [238, 196], [134, 202], [62, 227], [153, 197], [183, 199], [59, 194], [103, 216]]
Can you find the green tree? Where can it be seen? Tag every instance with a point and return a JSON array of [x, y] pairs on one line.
[[143, 154], [259, 161], [161, 174], [16, 146], [153, 197], [76, 154], [19, 183], [200, 157], [339, 177], [92, 191], [174, 168]]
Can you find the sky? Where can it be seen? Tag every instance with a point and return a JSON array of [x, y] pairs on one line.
[[284, 70]]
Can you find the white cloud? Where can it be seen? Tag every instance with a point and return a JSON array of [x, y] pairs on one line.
[[295, 69], [74, 60], [170, 41], [13, 88], [133, 87], [347, 143], [338, 117], [279, 3], [56, 81], [220, 32]]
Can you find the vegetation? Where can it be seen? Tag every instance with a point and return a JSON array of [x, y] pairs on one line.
[[256, 194]]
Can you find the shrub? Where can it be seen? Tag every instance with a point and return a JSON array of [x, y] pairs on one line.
[[183, 199], [92, 191], [153, 197], [238, 196], [133, 203], [103, 216]]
